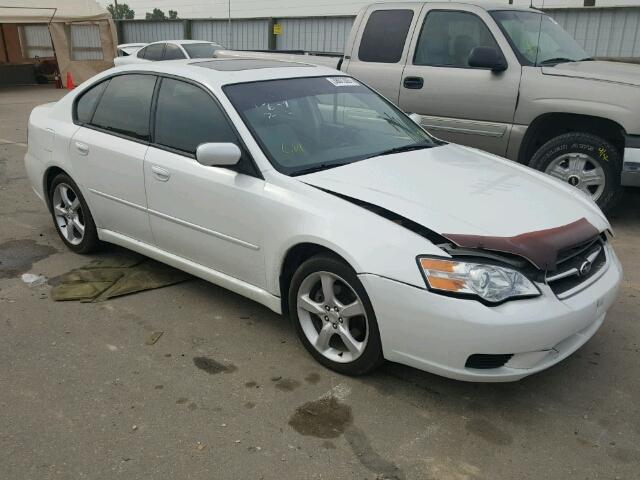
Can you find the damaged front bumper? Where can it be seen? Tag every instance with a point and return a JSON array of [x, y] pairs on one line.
[[439, 334]]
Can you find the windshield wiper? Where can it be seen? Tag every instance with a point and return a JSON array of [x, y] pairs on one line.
[[405, 148], [557, 60], [318, 168]]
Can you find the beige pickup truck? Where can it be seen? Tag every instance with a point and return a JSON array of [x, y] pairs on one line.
[[507, 80]]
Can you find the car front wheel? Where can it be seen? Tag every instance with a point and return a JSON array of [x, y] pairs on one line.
[[333, 316], [584, 161]]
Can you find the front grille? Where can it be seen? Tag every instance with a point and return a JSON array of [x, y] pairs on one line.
[[484, 361], [577, 266]]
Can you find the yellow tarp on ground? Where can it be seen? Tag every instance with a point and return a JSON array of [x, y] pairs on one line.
[[114, 277]]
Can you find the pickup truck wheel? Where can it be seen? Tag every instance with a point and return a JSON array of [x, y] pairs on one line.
[[71, 215], [333, 316], [584, 161]]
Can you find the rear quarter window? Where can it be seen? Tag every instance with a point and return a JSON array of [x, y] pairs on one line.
[[86, 104], [384, 36]]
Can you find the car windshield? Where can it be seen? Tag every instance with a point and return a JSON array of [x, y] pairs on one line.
[[310, 124], [201, 50], [538, 39]]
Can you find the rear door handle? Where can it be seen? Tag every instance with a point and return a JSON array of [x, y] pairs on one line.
[[82, 148], [413, 83], [160, 173]]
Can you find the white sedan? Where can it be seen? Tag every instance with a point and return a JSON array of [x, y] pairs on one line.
[[304, 190], [165, 50]]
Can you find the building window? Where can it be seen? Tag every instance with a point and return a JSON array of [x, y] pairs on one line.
[[35, 41], [589, 3], [85, 42]]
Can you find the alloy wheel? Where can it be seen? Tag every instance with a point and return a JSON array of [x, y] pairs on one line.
[[332, 317], [68, 213], [581, 171]]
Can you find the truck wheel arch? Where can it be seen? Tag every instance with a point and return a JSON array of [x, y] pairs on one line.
[[550, 125]]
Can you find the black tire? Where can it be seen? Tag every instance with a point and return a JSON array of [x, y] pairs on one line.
[[90, 241], [600, 151], [371, 356]]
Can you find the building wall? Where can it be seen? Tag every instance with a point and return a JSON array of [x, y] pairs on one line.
[[602, 32], [320, 34], [134, 32], [305, 8], [241, 35]]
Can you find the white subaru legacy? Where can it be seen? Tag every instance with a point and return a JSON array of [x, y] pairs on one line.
[[306, 191]]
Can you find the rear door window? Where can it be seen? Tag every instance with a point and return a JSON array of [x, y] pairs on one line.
[[187, 116], [125, 106], [173, 52], [154, 52], [87, 103], [384, 36]]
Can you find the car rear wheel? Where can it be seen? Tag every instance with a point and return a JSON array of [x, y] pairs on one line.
[[584, 161], [333, 316], [71, 215]]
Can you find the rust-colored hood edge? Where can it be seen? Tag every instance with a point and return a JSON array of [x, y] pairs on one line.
[[540, 247]]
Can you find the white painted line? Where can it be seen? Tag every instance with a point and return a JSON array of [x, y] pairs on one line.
[[4, 141]]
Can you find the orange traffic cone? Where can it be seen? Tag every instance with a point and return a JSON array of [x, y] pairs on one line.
[[70, 84]]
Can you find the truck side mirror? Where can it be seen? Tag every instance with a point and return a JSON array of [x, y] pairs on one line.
[[487, 57]]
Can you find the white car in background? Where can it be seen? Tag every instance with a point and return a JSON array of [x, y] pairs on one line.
[[166, 50], [304, 190], [126, 49]]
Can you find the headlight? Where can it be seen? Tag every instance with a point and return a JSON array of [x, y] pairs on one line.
[[491, 283]]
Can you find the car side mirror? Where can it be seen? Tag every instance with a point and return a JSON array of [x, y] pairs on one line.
[[487, 57], [218, 154]]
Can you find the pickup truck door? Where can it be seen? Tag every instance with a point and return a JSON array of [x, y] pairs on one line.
[[380, 46], [458, 103]]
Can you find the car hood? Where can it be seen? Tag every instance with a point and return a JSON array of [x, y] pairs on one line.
[[462, 193], [616, 72]]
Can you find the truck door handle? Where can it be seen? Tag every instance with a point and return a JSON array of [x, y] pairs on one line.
[[82, 148], [413, 83], [160, 173]]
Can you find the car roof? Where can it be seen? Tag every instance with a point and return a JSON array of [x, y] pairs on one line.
[[184, 42], [219, 72]]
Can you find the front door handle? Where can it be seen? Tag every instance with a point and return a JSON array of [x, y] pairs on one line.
[[160, 173], [82, 148], [413, 83]]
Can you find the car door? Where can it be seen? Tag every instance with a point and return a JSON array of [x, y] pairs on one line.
[[458, 103], [209, 215], [108, 151], [383, 46]]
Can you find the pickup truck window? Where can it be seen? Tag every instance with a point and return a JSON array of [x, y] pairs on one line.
[[384, 36], [310, 124], [448, 37], [537, 38]]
